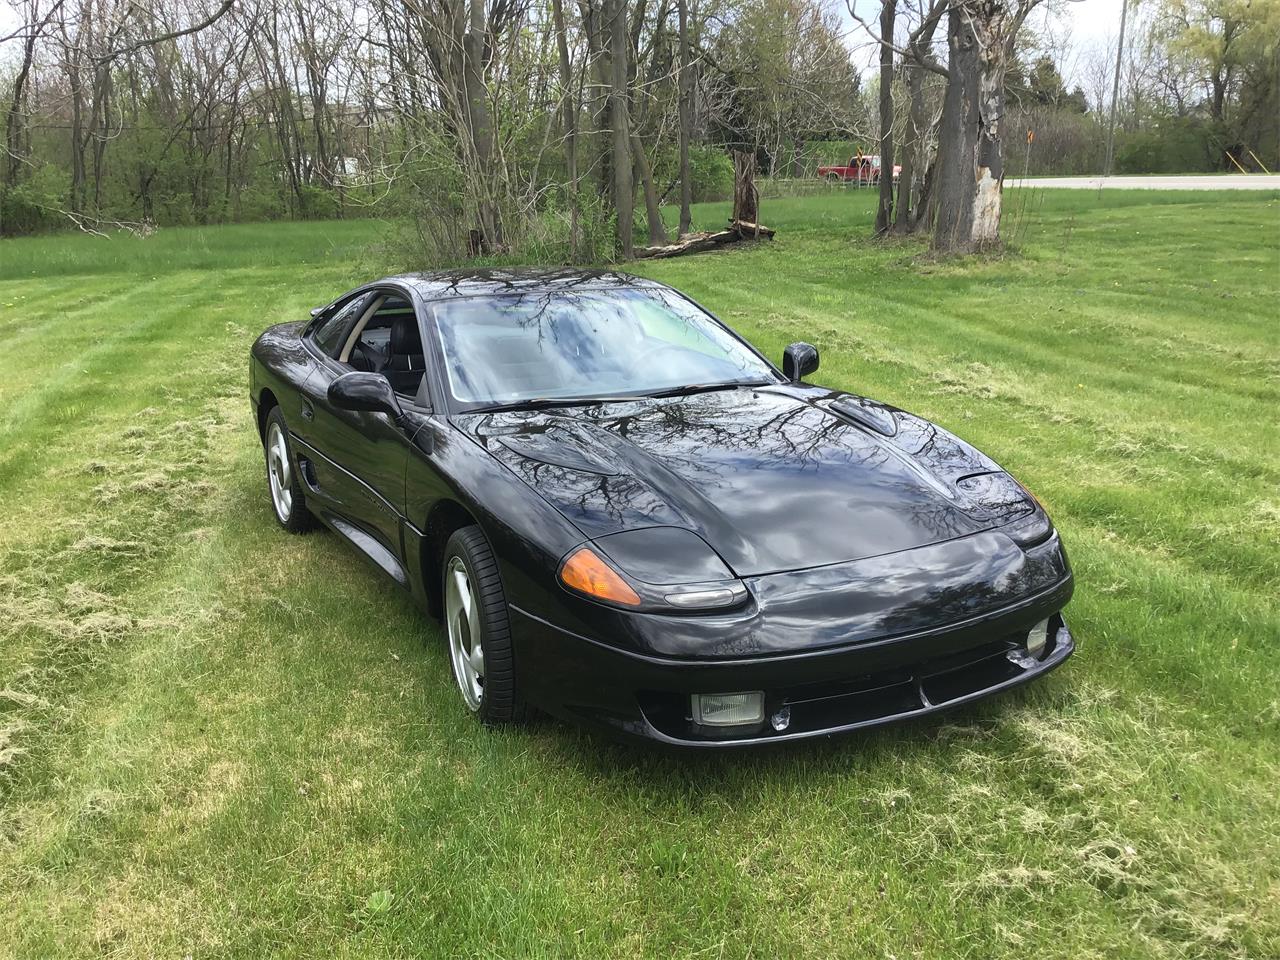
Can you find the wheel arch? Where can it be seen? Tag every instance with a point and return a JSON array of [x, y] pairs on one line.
[[446, 517], [266, 403]]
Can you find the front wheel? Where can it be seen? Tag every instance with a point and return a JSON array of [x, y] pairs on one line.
[[478, 629], [282, 478]]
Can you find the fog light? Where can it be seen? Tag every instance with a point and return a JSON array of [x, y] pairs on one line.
[[1037, 638], [1030, 655], [728, 709]]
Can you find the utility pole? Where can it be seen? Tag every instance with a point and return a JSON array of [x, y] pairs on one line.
[[1115, 93]]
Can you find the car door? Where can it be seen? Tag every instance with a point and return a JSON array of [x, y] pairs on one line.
[[357, 469]]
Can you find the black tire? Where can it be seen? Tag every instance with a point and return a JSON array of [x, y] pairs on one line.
[[290, 511], [499, 701]]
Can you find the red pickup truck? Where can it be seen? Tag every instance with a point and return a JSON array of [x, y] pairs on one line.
[[860, 170]]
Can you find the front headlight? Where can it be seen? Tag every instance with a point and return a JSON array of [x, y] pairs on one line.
[[655, 569], [1030, 530]]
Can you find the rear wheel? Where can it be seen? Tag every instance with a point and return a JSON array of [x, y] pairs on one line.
[[287, 497], [478, 629]]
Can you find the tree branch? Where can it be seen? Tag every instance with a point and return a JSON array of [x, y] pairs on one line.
[[173, 35], [925, 60]]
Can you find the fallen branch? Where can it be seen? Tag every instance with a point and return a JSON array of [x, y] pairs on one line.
[[703, 240], [97, 226]]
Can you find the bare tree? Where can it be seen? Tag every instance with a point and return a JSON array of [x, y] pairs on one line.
[[884, 206], [623, 184], [685, 87], [15, 134], [918, 62], [569, 120], [980, 37]]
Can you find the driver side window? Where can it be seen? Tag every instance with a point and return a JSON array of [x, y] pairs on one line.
[[387, 341], [330, 333]]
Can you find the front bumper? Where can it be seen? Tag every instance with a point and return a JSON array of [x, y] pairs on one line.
[[829, 691]]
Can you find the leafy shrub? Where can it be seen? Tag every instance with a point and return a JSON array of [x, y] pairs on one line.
[[317, 203], [710, 173], [32, 206], [260, 202], [1176, 145], [1067, 142], [438, 232]]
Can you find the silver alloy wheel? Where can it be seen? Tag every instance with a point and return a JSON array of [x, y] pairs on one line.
[[464, 635], [279, 473]]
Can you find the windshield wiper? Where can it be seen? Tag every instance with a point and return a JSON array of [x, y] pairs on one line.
[[532, 403], [708, 387]]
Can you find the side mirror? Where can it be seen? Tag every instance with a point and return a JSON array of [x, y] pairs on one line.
[[799, 360], [316, 311], [365, 391]]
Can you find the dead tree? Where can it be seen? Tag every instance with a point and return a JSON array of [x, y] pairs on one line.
[[917, 62], [569, 120], [15, 126], [884, 207], [970, 166], [746, 199], [980, 37], [686, 123], [619, 119]]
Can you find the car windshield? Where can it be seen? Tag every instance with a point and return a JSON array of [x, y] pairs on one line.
[[586, 343]]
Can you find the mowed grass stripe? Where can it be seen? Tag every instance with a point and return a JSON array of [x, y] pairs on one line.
[[52, 329], [276, 735], [161, 330]]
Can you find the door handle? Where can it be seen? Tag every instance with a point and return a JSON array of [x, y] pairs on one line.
[[308, 411]]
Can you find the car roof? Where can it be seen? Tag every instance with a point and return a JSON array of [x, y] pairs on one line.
[[448, 284]]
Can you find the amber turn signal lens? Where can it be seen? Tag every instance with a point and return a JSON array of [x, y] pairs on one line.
[[585, 572]]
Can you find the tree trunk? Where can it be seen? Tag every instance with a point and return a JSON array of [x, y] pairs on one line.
[[15, 122], [596, 27], [481, 124], [904, 212], [970, 149], [623, 185], [927, 201], [686, 122], [1219, 95], [77, 144], [99, 129], [884, 209], [569, 114], [911, 209], [653, 212], [989, 173], [746, 201]]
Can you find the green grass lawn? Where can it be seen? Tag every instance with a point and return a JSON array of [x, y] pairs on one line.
[[220, 740]]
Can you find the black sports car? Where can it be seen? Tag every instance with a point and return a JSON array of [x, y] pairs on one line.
[[628, 517]]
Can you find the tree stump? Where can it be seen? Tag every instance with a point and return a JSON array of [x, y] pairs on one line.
[[746, 199]]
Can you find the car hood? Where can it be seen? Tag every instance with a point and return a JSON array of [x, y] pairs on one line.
[[774, 478]]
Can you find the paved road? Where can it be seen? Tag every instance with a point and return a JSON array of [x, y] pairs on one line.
[[1237, 181]]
